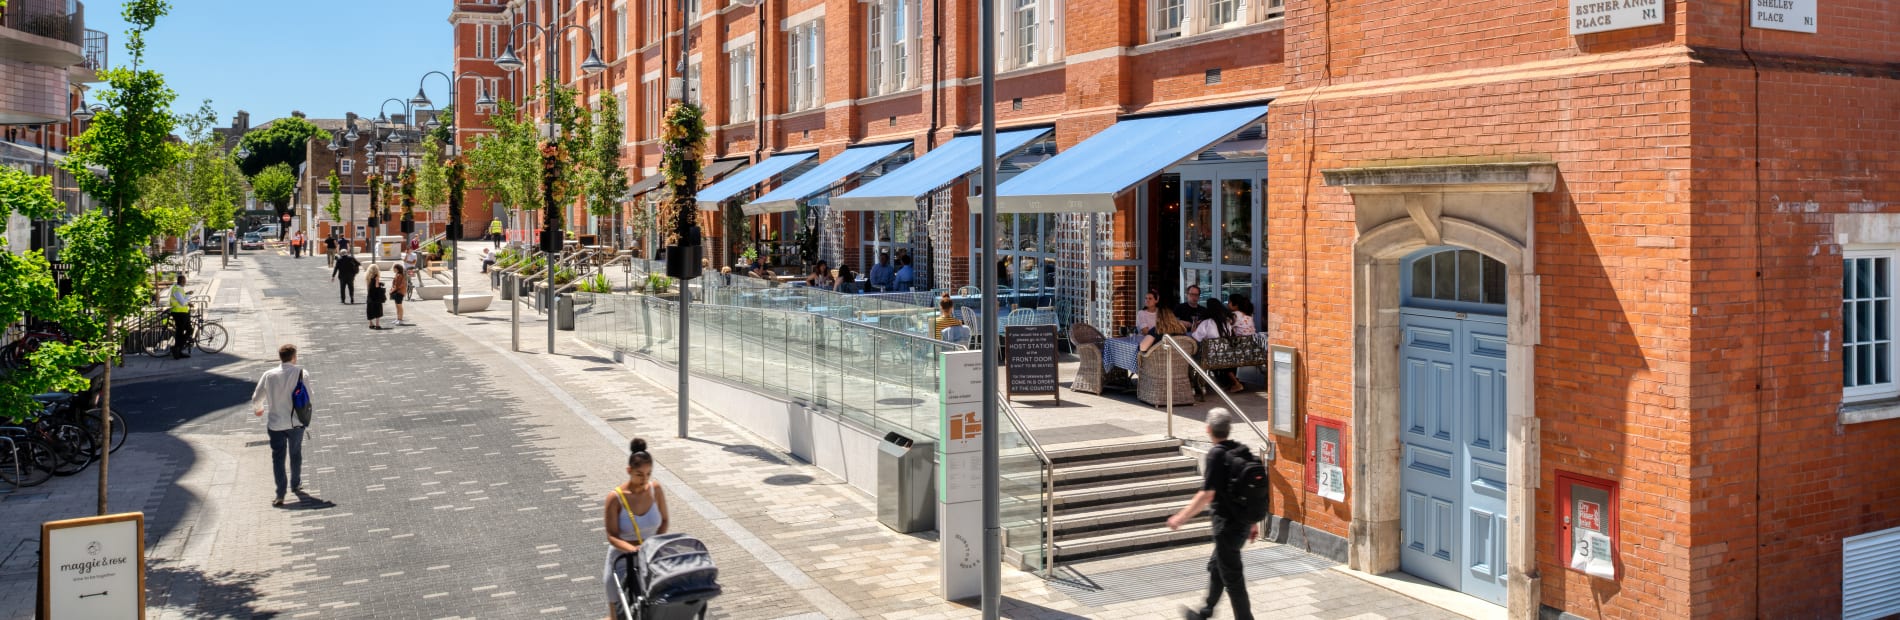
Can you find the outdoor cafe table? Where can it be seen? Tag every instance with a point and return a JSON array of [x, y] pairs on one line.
[[1123, 353]]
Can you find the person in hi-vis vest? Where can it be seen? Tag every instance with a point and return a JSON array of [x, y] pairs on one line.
[[494, 231], [180, 308]]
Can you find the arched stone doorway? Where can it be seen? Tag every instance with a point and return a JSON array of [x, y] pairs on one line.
[[1399, 211]]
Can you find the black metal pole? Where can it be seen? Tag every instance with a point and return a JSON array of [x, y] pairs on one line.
[[992, 518]]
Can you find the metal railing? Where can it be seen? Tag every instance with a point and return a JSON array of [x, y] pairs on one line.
[[1212, 386], [97, 49], [55, 19]]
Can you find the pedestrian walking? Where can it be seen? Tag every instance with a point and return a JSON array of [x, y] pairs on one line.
[[399, 289], [296, 245], [275, 397], [494, 232], [635, 512], [180, 309], [344, 273], [373, 280], [329, 249], [1226, 463]]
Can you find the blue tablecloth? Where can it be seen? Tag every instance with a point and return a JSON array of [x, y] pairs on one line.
[[1123, 353]]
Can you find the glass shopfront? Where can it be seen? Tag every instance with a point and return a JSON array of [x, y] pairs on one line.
[[1207, 223], [1026, 258]]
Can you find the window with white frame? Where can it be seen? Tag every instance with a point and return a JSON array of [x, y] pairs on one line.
[[625, 120], [348, 165], [494, 41], [1867, 348], [481, 44], [692, 11], [652, 22], [1168, 19], [594, 40], [739, 108], [692, 84], [573, 58], [619, 17], [1029, 33], [892, 29], [650, 89], [806, 66]]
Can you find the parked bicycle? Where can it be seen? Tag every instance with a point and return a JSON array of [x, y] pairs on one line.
[[207, 335]]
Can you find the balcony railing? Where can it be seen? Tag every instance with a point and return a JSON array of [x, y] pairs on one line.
[[64, 20], [95, 49]]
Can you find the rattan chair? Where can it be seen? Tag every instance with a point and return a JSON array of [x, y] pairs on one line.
[[1088, 346], [1152, 386]]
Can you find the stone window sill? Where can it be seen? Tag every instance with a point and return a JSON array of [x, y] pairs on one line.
[[1870, 411]]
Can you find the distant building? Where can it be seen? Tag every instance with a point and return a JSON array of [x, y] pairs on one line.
[[47, 56]]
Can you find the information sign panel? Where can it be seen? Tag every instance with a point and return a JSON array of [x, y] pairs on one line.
[[1031, 350]]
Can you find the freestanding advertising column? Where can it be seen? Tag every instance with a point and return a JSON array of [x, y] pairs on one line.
[[960, 462]]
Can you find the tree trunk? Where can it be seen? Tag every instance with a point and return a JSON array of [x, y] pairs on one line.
[[105, 423]]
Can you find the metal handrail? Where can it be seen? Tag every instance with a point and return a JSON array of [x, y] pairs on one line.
[[1213, 387], [1048, 488]]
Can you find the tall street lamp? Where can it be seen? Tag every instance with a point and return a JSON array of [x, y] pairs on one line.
[[346, 150], [455, 208], [399, 134], [552, 226]]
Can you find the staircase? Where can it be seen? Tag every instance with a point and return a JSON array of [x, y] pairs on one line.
[[1114, 497]]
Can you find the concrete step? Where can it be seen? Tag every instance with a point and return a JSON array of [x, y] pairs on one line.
[[1111, 450], [1137, 467], [1116, 543], [1115, 518], [1165, 490]]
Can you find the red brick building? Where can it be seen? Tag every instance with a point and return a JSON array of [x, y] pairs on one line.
[[1554, 276]]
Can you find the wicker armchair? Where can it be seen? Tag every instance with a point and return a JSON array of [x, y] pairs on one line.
[[1152, 386], [1088, 346]]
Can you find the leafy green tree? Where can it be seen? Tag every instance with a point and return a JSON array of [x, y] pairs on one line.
[[283, 141], [275, 185], [27, 289], [506, 160], [432, 180], [335, 207], [104, 246], [606, 180]]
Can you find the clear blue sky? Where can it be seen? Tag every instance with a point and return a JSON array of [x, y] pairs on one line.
[[272, 56]]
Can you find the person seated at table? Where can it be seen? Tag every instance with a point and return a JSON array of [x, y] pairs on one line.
[[1243, 314], [905, 275], [1145, 317], [1003, 273], [946, 317], [725, 276], [881, 272], [847, 279], [1165, 325], [820, 277], [1215, 321]]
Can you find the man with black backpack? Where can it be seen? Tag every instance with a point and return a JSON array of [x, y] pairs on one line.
[[1234, 483]]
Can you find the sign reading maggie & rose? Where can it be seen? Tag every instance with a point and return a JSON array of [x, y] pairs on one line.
[[1031, 350], [1587, 16], [93, 567]]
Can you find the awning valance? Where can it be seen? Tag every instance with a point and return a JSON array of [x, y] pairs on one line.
[[1088, 176], [899, 190], [712, 172], [833, 171], [713, 195]]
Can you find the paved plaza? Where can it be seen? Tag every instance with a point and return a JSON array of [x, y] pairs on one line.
[[451, 478]]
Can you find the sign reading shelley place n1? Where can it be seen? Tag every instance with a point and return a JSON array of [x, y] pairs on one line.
[[1587, 16], [1790, 15]]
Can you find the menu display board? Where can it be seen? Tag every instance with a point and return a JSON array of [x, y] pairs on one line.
[[1031, 354]]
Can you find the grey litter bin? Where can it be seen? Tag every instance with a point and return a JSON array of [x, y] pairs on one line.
[[564, 313], [906, 484]]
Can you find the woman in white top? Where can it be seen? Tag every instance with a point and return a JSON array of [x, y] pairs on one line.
[[636, 511], [1145, 317]]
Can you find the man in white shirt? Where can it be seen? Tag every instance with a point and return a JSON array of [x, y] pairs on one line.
[[272, 397]]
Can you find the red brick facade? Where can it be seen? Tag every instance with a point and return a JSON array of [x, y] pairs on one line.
[[1687, 265]]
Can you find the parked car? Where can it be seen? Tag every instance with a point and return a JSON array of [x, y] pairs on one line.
[[268, 231], [214, 244], [252, 241]]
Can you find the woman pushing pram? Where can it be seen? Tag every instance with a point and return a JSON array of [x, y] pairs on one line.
[[650, 574]]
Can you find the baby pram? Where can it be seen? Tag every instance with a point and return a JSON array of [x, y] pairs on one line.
[[672, 577]]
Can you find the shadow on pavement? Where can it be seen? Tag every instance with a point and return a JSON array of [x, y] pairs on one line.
[[233, 594], [1018, 608]]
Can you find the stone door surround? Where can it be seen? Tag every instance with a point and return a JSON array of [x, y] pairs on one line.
[[1484, 207]]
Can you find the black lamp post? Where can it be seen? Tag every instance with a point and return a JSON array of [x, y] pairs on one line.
[[455, 210], [552, 227]]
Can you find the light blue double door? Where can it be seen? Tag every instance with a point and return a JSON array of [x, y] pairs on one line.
[[1452, 390]]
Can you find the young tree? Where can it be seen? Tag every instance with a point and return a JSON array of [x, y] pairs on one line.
[[283, 141], [506, 160], [606, 180], [104, 246], [335, 207], [27, 290], [275, 185], [432, 181]]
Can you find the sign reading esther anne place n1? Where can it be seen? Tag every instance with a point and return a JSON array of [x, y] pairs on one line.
[[1587, 16], [1031, 350], [1791, 15]]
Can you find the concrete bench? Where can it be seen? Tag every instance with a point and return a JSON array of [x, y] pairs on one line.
[[433, 292], [468, 303]]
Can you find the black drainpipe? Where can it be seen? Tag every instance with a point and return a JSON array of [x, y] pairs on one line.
[[936, 72]]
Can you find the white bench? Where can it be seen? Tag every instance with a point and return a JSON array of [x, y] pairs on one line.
[[468, 303], [433, 292]]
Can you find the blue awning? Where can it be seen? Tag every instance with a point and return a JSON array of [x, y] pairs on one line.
[[899, 190], [1088, 176], [833, 171], [712, 196]]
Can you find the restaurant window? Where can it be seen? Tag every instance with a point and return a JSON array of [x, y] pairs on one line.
[[888, 232], [739, 71], [1867, 351], [692, 84], [806, 66], [1220, 228], [1025, 257], [1029, 33]]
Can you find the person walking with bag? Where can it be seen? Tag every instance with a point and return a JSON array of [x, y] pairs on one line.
[[344, 273], [1234, 482], [373, 280], [282, 398], [635, 512]]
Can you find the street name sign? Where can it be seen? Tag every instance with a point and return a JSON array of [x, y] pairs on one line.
[[1588, 16], [1789, 15]]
